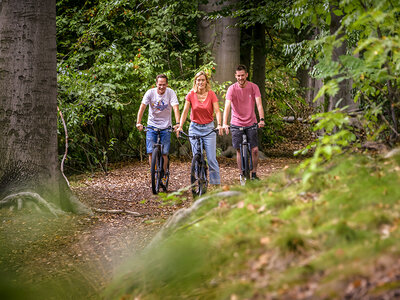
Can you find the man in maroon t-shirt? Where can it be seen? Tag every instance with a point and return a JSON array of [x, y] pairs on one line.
[[242, 96]]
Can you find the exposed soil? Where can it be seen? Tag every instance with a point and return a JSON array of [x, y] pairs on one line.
[[110, 237]]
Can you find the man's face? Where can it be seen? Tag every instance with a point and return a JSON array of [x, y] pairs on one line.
[[241, 77], [161, 85]]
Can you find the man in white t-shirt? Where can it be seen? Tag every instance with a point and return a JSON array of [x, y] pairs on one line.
[[161, 101]]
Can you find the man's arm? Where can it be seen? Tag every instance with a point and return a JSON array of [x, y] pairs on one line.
[[260, 112], [177, 116], [227, 110], [139, 116], [183, 117]]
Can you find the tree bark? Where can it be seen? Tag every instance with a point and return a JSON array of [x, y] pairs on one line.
[[259, 59], [28, 101], [246, 44], [319, 104], [343, 97], [223, 39]]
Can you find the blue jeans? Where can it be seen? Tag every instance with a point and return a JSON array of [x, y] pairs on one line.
[[210, 145], [151, 139]]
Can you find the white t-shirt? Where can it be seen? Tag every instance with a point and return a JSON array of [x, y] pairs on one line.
[[160, 107]]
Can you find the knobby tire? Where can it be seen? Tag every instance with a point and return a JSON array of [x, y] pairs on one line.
[[246, 171], [165, 186], [155, 171], [198, 176]]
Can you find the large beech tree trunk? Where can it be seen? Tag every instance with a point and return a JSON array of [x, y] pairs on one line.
[[223, 38], [28, 101]]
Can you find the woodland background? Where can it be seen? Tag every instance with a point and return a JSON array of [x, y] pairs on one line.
[[306, 56], [326, 226]]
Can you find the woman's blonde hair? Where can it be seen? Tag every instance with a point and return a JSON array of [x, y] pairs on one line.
[[208, 85]]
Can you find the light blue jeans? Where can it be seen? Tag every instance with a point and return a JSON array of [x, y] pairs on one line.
[[210, 145]]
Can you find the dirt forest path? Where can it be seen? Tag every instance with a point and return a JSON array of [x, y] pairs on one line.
[[106, 239], [90, 250]]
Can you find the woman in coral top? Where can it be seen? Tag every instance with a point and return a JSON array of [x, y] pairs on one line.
[[203, 103]]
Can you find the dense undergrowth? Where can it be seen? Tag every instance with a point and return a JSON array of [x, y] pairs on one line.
[[339, 238]]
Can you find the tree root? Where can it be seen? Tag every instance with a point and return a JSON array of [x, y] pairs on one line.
[[119, 211], [36, 198], [181, 215], [66, 146]]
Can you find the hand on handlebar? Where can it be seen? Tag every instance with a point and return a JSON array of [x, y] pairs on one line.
[[139, 126], [220, 130], [178, 130], [175, 127], [226, 128]]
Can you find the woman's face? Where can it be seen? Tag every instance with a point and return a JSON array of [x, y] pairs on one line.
[[201, 82]]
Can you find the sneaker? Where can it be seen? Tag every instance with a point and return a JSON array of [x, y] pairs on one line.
[[242, 179], [254, 176]]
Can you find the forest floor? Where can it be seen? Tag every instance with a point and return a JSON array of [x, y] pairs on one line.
[[109, 238], [88, 251]]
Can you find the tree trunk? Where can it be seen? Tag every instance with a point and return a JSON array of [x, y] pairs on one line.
[[28, 101], [343, 97], [259, 59], [319, 104], [223, 38], [246, 44]]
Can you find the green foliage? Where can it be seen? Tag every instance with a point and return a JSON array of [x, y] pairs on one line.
[[370, 31], [283, 95], [109, 54], [337, 136], [250, 247]]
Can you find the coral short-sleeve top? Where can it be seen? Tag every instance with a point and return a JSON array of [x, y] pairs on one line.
[[202, 112]]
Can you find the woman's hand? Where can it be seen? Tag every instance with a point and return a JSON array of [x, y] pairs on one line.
[[220, 130]]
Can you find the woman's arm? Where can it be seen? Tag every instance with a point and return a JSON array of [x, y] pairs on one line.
[[218, 117]]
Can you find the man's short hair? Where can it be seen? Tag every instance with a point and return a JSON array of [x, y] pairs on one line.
[[241, 68], [162, 76]]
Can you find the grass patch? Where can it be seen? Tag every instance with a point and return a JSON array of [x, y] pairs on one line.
[[280, 239]]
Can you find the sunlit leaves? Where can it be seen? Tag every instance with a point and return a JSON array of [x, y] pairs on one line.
[[337, 136], [109, 53]]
